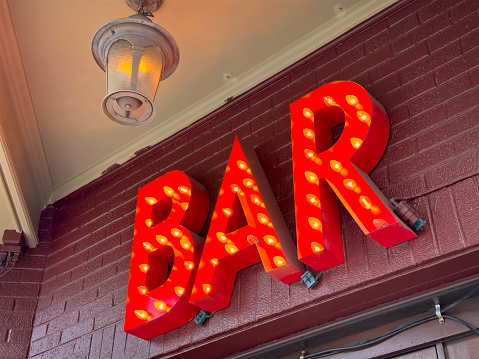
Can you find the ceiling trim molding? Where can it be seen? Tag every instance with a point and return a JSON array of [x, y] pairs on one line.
[[22, 148], [263, 73]]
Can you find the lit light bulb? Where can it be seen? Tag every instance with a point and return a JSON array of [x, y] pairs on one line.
[[231, 248], [149, 223], [336, 166], [352, 100], [147, 246], [235, 188], [142, 289], [356, 142], [161, 239], [279, 261], [329, 100], [349, 184], [168, 191], [150, 200], [227, 212], [255, 199], [162, 307], [184, 190], [141, 314], [144, 267], [311, 176], [179, 291], [365, 202], [262, 218], [184, 205], [308, 133], [270, 240], [242, 165], [185, 243], [316, 247], [311, 198], [221, 237], [364, 116], [248, 182], [308, 113], [310, 154], [315, 223], [189, 265], [206, 288], [176, 232], [214, 262]]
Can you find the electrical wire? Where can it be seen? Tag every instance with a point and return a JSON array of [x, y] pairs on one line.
[[397, 330]]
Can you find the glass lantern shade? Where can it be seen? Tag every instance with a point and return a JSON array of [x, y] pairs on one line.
[[136, 55]]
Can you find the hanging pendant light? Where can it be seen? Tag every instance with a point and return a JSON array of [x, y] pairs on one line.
[[136, 54]]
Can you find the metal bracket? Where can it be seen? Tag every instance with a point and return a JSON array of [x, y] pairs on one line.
[[201, 317], [439, 314], [309, 279]]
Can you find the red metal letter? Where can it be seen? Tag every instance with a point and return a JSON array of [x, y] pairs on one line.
[[242, 233], [165, 256], [319, 166]]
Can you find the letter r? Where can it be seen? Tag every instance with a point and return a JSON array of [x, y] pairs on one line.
[[321, 168]]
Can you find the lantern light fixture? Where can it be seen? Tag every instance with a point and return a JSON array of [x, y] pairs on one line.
[[136, 55]]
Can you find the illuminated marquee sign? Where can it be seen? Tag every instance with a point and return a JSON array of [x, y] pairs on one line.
[[174, 272]]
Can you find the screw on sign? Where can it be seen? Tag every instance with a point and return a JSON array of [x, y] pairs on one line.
[[172, 276]]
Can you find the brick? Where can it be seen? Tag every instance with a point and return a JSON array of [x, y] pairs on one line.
[[25, 304], [13, 351], [76, 331], [457, 67], [94, 308], [86, 296], [466, 201], [6, 304], [44, 344], [19, 336], [39, 332], [107, 342]]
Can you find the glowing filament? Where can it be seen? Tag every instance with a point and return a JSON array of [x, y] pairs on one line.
[[176, 232], [365, 202], [308, 133], [148, 246], [242, 165], [141, 314], [352, 100], [315, 224], [144, 268], [311, 177], [310, 154], [214, 262], [248, 182], [184, 190], [356, 142], [186, 244], [168, 191], [179, 291], [311, 198], [150, 200], [231, 248], [221, 237], [262, 218], [142, 289], [270, 240], [162, 307], [189, 265], [308, 113], [336, 166], [149, 222], [206, 288], [364, 116], [227, 212], [184, 205], [349, 184], [235, 188], [316, 247], [279, 261], [161, 239]]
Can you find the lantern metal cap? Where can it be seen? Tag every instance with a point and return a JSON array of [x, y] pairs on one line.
[[141, 29]]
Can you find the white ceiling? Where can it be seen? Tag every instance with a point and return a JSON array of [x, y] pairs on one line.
[[248, 39]]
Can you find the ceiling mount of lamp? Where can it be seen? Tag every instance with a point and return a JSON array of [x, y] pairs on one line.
[[136, 55]]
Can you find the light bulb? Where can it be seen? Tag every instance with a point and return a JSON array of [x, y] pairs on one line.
[[242, 165], [315, 223], [308, 133], [227, 212], [179, 291], [161, 239], [316, 247], [141, 314], [262, 218], [184, 190], [189, 265], [270, 240], [308, 113], [168, 191], [279, 261], [142, 289], [311, 176], [162, 307], [150, 200], [231, 248], [176, 232], [144, 267], [352, 100], [356, 142], [221, 237], [206, 288], [185, 243], [365, 202], [349, 184]]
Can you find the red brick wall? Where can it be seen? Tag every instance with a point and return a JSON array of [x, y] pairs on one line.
[[419, 61]]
